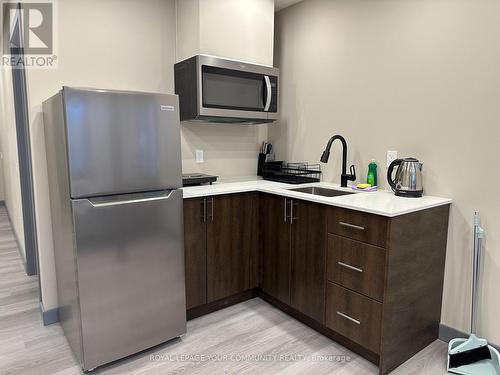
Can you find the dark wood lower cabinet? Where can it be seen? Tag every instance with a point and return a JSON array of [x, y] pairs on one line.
[[359, 226], [414, 285], [275, 231], [378, 292], [357, 266], [232, 240], [309, 238], [354, 316], [195, 252]]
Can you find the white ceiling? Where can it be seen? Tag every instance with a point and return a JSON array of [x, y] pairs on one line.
[[281, 4]]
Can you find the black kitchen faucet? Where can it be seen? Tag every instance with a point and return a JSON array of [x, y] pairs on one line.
[[344, 177]]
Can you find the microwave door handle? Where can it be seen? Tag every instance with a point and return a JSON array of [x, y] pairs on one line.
[[268, 93]]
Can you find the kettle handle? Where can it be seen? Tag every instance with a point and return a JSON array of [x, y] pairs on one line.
[[395, 163]]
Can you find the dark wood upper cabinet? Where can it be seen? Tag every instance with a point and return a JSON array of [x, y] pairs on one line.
[[275, 231], [232, 240], [195, 252], [309, 238]]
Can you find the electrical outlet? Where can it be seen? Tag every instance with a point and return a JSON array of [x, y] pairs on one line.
[[199, 156], [391, 156]]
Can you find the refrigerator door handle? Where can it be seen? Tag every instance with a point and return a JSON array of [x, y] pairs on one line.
[[99, 203]]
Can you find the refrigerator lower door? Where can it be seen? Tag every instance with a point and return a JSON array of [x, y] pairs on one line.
[[130, 259]]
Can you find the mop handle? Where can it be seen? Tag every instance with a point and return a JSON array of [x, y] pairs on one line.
[[476, 269]]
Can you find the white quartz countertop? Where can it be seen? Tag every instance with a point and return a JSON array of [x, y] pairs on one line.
[[380, 202]]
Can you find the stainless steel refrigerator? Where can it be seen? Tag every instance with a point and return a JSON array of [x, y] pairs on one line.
[[114, 168]]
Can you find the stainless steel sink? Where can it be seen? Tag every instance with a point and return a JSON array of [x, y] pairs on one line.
[[325, 192]]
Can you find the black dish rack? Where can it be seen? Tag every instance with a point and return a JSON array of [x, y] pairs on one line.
[[291, 173]]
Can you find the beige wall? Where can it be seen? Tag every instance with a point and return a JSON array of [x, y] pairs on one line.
[[418, 76], [119, 44], [235, 29], [9, 170], [229, 150], [129, 45]]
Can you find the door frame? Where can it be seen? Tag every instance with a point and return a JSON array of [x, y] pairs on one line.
[[24, 150]]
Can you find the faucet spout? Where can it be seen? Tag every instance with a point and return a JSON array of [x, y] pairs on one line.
[[344, 176]]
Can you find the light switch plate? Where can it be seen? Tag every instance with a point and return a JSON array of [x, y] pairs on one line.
[[391, 156], [199, 156]]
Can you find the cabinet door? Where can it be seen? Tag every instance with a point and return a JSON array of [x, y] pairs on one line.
[[231, 241], [195, 251], [309, 259], [275, 244], [255, 254]]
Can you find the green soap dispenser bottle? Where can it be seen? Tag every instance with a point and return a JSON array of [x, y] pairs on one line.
[[372, 173]]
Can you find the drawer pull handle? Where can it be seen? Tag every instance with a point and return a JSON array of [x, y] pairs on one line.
[[348, 317], [350, 267], [351, 226]]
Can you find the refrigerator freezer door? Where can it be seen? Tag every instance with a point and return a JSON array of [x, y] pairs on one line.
[[121, 142], [130, 258]]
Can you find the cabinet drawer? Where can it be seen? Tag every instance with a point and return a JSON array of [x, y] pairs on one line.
[[358, 225], [356, 265], [354, 316]]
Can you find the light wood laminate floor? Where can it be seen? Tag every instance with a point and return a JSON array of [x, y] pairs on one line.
[[252, 328]]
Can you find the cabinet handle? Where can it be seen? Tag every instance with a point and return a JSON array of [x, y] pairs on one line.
[[285, 217], [211, 214], [212, 208], [348, 317], [204, 210], [351, 225], [292, 218], [342, 264]]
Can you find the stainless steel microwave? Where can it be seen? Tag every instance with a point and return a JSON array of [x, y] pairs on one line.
[[212, 89]]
